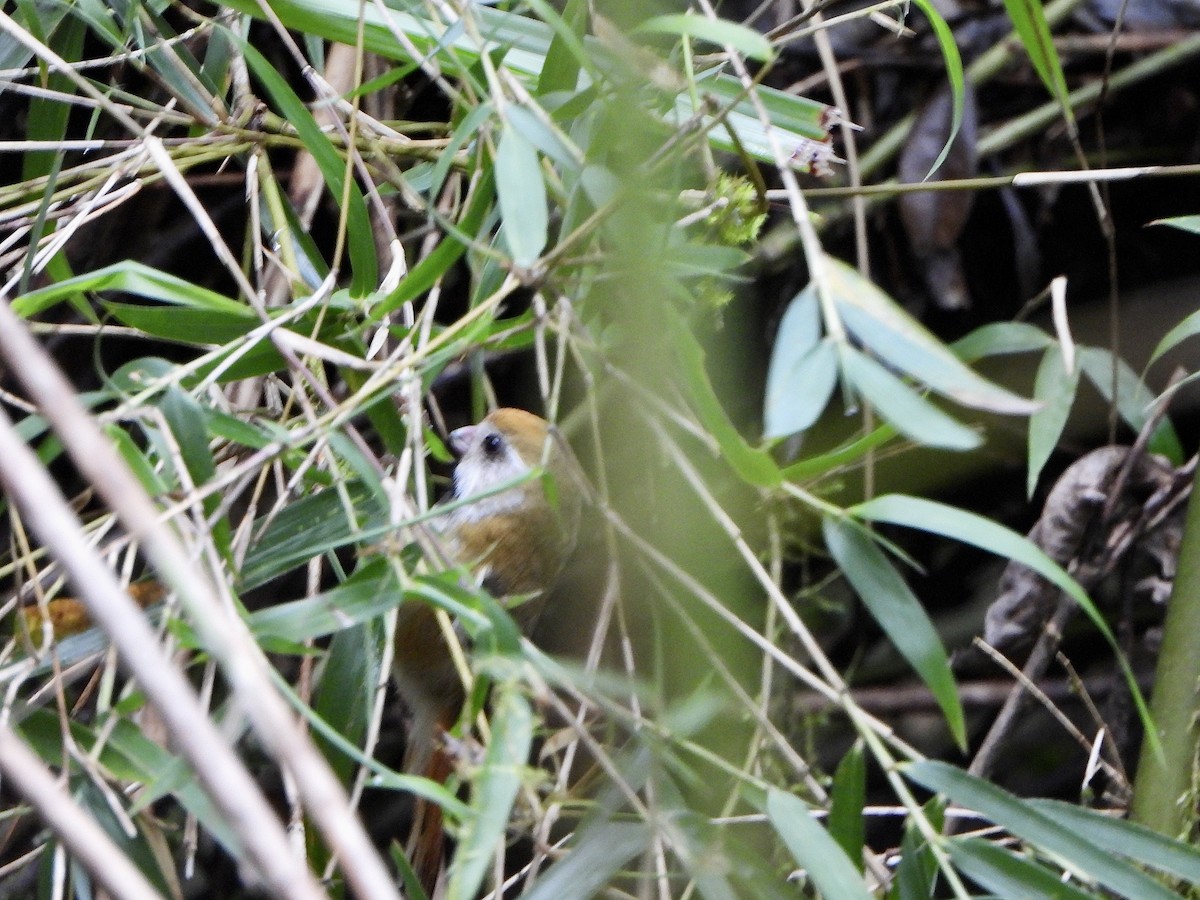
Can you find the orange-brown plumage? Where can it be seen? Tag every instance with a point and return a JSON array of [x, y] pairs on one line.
[[516, 538]]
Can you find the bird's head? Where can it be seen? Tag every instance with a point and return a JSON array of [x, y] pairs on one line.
[[503, 448]]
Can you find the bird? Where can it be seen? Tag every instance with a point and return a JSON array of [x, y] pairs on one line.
[[512, 520]]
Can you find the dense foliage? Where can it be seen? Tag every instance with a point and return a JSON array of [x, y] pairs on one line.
[[279, 248]]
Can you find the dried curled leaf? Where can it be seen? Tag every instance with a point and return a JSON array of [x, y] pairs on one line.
[[1075, 532], [933, 220], [69, 616]]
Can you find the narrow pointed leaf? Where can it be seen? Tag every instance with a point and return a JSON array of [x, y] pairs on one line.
[[954, 73], [906, 345], [899, 613], [1036, 828], [1055, 388], [493, 793], [1029, 21], [745, 40], [846, 802], [360, 239], [522, 192], [1129, 839], [1134, 400], [803, 370], [812, 848], [907, 411], [1008, 874]]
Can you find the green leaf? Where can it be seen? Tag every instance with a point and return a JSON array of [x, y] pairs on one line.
[[845, 455], [1139, 843], [800, 125], [171, 59], [798, 390], [493, 791], [367, 594], [952, 62], [1037, 829], [795, 122], [465, 132], [136, 460], [346, 690], [999, 339], [129, 755], [599, 852], [1184, 223], [906, 345], [812, 848], [1055, 388], [382, 777], [803, 370], [95, 804], [1189, 326], [46, 119], [310, 526], [132, 278], [539, 131], [189, 427], [899, 613], [693, 259], [745, 40], [753, 465], [522, 194], [566, 54], [916, 875], [39, 19], [901, 406], [1134, 400], [846, 802], [360, 238], [196, 327], [1006, 874], [960, 525], [1029, 21]]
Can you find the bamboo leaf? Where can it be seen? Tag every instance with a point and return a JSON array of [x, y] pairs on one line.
[[131, 278], [493, 791], [907, 411], [954, 73], [522, 194], [1008, 874], [1029, 21], [803, 369], [1055, 389], [812, 848], [1001, 338], [1129, 839], [905, 344], [847, 799], [361, 240], [1037, 829], [1134, 401], [745, 40], [899, 613]]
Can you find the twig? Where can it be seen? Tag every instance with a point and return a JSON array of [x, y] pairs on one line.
[[1038, 694], [1033, 669]]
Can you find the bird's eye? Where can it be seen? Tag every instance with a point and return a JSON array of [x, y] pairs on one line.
[[492, 443]]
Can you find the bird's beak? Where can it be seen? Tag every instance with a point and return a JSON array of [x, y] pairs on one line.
[[460, 440]]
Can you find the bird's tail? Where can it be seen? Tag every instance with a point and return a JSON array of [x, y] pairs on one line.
[[426, 847]]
